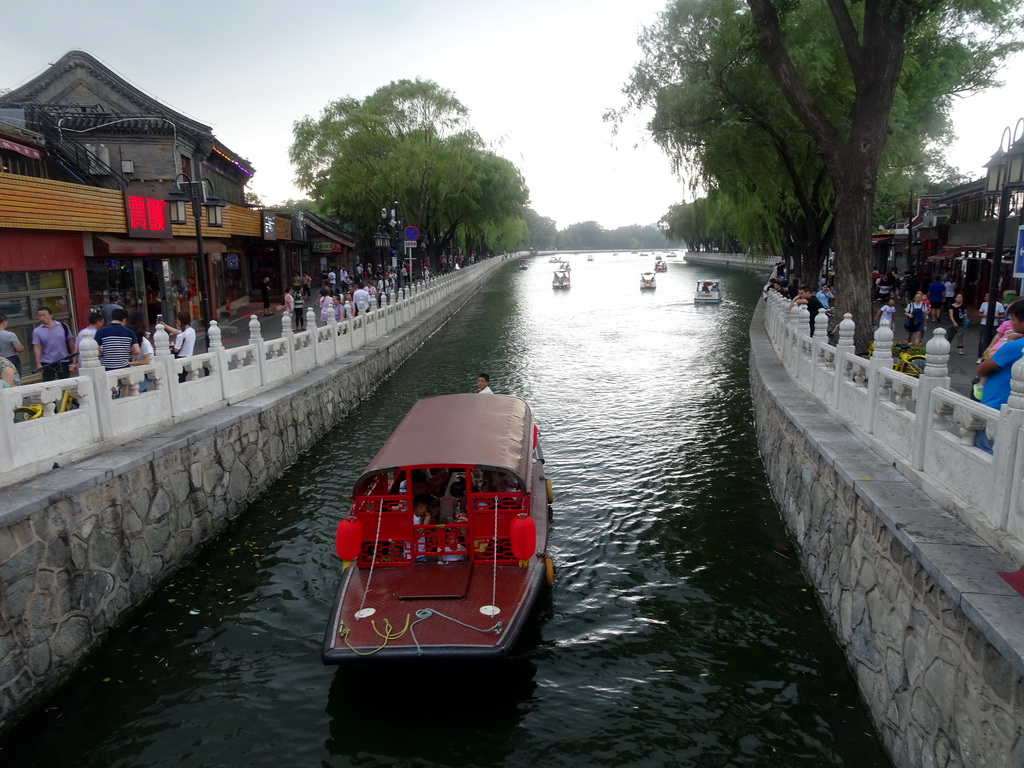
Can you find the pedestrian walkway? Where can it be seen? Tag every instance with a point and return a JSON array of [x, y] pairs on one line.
[[234, 328]]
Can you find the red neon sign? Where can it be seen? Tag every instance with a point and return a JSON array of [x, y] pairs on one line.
[[147, 217]]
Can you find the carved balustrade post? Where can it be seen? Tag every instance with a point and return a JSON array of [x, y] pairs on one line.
[[935, 374]]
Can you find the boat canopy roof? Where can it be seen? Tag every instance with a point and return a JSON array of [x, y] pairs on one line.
[[493, 431]]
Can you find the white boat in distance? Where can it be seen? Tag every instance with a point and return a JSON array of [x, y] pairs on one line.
[[708, 292], [647, 281], [561, 279]]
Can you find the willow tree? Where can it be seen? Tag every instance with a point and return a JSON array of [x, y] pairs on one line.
[[788, 114], [850, 127], [721, 121], [409, 141]]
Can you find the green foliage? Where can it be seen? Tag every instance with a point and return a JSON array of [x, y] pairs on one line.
[[410, 141], [759, 173], [294, 206], [724, 125], [589, 235]]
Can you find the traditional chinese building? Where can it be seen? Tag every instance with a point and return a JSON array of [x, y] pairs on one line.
[[88, 165]]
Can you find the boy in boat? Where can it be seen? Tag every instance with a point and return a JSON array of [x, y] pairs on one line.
[[422, 515]]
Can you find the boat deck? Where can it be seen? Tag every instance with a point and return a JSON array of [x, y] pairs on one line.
[[431, 608]]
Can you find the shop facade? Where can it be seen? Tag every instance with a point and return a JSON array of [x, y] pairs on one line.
[[41, 269]]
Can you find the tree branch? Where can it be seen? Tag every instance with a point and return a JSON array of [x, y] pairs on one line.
[[773, 49]]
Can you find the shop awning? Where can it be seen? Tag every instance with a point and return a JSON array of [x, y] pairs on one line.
[[21, 149], [946, 253], [111, 245], [877, 239]]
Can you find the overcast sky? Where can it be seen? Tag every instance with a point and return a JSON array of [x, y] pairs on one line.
[[536, 75]]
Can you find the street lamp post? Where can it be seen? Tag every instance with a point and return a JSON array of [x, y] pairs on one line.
[[1005, 176], [393, 219], [214, 217], [381, 241]]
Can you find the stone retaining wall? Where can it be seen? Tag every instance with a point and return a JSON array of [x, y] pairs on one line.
[[914, 598], [81, 546]]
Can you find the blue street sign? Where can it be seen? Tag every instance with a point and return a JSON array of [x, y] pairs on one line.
[[412, 233]]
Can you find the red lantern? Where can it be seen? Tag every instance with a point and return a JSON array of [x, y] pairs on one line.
[[349, 538], [524, 537]]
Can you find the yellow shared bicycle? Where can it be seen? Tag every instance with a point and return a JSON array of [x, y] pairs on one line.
[[68, 402], [907, 358]]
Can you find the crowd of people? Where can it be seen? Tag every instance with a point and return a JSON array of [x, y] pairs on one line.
[[920, 302], [122, 337]]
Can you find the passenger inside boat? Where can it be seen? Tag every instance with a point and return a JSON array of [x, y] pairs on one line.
[[432, 517]]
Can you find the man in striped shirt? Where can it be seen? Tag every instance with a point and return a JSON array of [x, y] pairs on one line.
[[117, 343]]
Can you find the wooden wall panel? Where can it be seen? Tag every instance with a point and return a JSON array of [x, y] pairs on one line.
[[30, 203]]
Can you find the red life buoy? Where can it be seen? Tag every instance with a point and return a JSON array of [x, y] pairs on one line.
[[524, 537], [348, 539]]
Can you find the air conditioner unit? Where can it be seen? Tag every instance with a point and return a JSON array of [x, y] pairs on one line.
[[99, 159]]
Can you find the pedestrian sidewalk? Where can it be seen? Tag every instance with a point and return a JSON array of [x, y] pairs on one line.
[[234, 327]]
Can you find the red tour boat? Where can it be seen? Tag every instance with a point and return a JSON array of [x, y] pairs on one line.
[[445, 546]]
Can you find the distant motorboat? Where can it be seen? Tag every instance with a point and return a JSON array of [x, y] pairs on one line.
[[661, 266], [647, 281], [561, 280], [708, 292]]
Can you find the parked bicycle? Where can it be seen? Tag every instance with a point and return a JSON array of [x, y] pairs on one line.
[[68, 402], [907, 358]]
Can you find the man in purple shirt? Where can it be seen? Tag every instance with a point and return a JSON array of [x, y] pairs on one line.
[[53, 344]]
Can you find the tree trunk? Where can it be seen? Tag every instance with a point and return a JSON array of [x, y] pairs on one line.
[[854, 290]]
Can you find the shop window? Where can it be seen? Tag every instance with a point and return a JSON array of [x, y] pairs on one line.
[[23, 293]]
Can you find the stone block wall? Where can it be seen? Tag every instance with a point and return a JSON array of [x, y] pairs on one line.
[[82, 546], [931, 632]]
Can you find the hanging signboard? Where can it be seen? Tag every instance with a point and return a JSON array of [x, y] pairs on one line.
[[1018, 256]]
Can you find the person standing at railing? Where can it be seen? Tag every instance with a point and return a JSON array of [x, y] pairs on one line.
[[10, 346], [184, 339], [53, 345], [9, 376], [184, 335], [806, 297], [997, 368], [118, 344], [137, 323], [983, 341], [96, 321], [361, 297]]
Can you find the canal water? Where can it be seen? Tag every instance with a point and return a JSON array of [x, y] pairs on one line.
[[680, 632]]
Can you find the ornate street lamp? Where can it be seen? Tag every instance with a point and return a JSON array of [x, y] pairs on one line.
[[393, 219], [1005, 176], [381, 240], [196, 192]]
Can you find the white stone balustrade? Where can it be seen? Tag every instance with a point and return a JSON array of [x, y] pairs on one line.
[[179, 389], [919, 425]]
